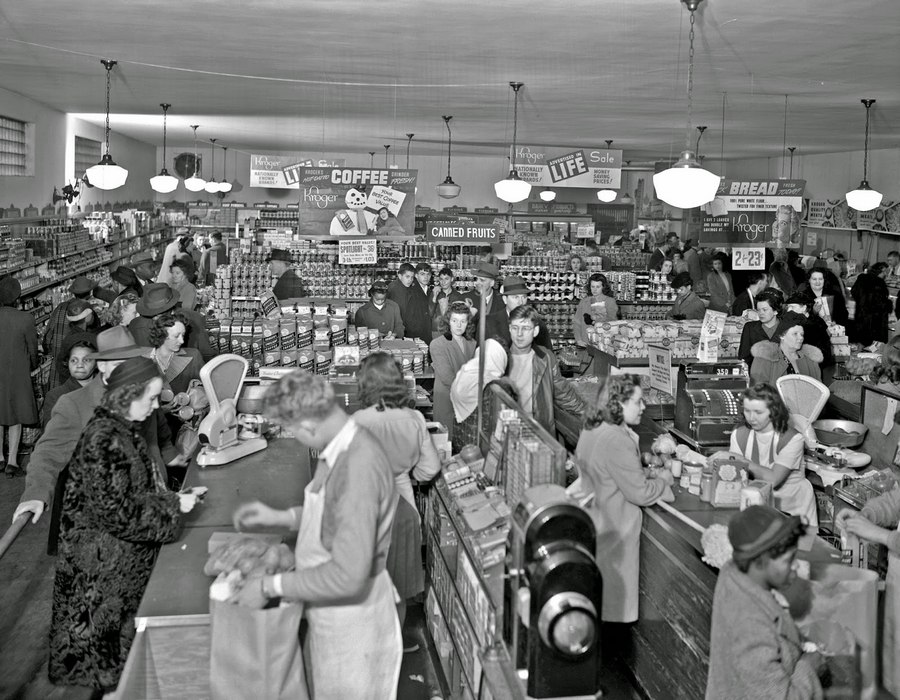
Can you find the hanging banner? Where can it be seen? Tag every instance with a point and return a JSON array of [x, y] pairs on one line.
[[758, 212], [445, 231], [591, 168], [835, 213], [282, 171], [356, 201], [356, 252]]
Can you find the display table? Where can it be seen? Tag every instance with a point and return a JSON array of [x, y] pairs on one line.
[[170, 654]]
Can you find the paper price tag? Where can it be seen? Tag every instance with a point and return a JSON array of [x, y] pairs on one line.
[[748, 258], [890, 411]]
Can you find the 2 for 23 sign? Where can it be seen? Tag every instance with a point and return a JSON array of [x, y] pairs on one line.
[[748, 258]]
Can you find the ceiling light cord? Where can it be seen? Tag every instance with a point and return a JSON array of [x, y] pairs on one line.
[[409, 138], [868, 104], [690, 90], [165, 107], [449, 143], [108, 64], [515, 87], [784, 135]]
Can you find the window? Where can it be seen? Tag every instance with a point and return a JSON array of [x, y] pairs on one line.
[[87, 154], [16, 147]]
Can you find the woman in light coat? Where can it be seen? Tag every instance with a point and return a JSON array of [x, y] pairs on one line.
[[720, 285], [449, 352], [610, 462]]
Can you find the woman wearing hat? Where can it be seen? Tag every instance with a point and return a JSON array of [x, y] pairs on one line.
[[786, 353], [77, 363], [687, 304], [58, 324], [381, 313], [755, 648], [127, 280], [116, 513], [771, 450], [18, 357]]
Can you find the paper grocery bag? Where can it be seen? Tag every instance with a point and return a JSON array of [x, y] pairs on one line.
[[847, 596], [256, 653]]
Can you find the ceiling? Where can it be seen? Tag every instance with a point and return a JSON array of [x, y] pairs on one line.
[[351, 76]]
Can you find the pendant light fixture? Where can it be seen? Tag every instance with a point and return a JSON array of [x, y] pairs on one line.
[[864, 198], [626, 198], [687, 184], [387, 147], [607, 195], [513, 189], [195, 183], [547, 195], [106, 175], [448, 189], [212, 186], [236, 186], [409, 138], [164, 183], [224, 186]]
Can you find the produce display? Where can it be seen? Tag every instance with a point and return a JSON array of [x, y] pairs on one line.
[[250, 556], [630, 338]]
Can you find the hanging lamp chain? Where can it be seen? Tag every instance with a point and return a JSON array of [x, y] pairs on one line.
[[449, 143], [784, 135], [792, 149], [868, 104], [409, 138], [690, 87], [196, 154], [516, 87], [213, 151], [165, 107], [108, 64]]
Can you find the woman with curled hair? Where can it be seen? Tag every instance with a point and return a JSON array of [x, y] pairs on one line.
[[786, 353], [344, 525], [116, 513], [181, 272], [609, 460], [765, 444], [597, 306], [769, 303], [389, 415], [179, 365], [449, 352], [720, 284], [121, 312]]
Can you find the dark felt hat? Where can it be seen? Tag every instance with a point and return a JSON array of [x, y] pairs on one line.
[[125, 276], [514, 285], [759, 528], [486, 269], [682, 279], [117, 343], [10, 290], [158, 298], [82, 285], [280, 255], [137, 370], [78, 310], [145, 267]]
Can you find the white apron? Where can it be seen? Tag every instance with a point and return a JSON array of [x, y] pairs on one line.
[[891, 646], [355, 650]]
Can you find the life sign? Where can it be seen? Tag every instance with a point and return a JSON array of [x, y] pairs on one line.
[[567, 166]]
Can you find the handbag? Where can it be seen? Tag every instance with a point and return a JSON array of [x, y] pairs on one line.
[[256, 653]]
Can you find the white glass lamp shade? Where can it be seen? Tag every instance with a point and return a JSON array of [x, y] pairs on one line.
[[448, 189], [106, 175], [606, 195], [686, 185], [164, 183], [224, 187], [863, 198], [212, 187], [194, 183], [547, 195], [513, 189]]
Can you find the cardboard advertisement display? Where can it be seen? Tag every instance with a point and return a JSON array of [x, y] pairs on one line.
[[754, 212], [593, 168], [356, 201]]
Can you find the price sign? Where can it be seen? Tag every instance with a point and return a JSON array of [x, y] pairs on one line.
[[585, 230], [357, 252], [748, 258], [661, 369]]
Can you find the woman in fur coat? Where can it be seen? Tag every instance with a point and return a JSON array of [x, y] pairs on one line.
[[785, 353]]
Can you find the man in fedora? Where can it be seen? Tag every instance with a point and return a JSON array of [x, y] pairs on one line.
[[43, 481], [486, 275], [145, 267], [159, 298], [514, 293], [58, 324], [289, 285]]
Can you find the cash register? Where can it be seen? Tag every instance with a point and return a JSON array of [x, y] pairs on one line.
[[708, 401]]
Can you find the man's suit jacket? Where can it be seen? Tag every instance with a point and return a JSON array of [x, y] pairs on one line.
[[743, 302]]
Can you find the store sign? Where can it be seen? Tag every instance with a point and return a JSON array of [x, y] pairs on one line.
[[585, 230], [759, 212], [748, 258], [283, 171], [486, 210], [357, 201], [835, 213], [661, 369], [584, 167], [563, 208], [446, 231], [357, 252]]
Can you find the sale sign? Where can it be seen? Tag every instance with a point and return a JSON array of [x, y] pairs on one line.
[[283, 171], [754, 213], [585, 167]]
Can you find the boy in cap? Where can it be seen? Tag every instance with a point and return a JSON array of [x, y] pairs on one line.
[[756, 650], [687, 304]]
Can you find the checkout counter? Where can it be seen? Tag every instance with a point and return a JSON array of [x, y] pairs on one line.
[[170, 654]]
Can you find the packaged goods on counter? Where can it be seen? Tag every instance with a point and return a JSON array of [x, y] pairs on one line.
[[630, 338]]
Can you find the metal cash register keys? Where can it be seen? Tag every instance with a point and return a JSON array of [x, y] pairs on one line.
[[708, 401]]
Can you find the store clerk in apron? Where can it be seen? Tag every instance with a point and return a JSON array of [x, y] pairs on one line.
[[344, 527], [770, 450]]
